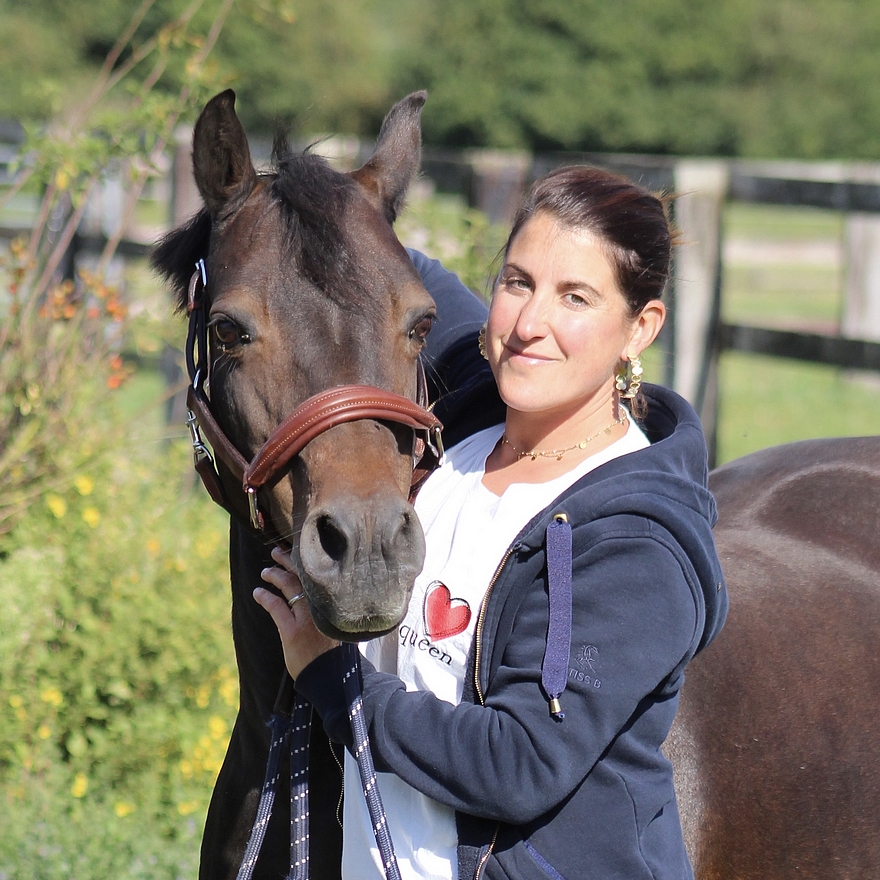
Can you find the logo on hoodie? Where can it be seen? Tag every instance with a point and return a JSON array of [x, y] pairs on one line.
[[585, 658]]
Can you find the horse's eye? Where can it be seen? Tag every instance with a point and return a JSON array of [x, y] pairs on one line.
[[422, 328], [228, 334]]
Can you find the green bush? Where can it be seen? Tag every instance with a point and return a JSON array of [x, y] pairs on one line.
[[117, 676]]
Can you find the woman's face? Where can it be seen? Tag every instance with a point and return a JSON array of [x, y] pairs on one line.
[[558, 324]]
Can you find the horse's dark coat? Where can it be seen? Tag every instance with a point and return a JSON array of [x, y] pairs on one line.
[[777, 741]]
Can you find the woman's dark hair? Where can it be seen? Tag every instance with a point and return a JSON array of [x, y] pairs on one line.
[[630, 222]]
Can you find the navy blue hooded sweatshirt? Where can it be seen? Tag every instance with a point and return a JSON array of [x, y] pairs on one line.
[[591, 795]]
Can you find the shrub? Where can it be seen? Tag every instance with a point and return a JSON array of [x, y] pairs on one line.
[[117, 675]]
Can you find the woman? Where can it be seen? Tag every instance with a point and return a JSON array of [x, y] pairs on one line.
[[518, 712]]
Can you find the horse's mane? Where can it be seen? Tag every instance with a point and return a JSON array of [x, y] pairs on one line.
[[311, 197]]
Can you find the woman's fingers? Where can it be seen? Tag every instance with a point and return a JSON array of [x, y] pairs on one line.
[[300, 639], [279, 612], [282, 558], [285, 580]]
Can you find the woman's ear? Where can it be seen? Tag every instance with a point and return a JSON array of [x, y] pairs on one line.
[[646, 327]]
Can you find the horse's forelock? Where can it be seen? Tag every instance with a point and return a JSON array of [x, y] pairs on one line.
[[313, 198]]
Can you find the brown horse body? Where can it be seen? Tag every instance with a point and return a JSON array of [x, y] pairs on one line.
[[777, 741]]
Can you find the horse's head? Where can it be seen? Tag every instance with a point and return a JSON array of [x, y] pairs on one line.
[[308, 288]]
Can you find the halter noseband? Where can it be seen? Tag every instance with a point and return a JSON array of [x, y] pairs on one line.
[[345, 403]]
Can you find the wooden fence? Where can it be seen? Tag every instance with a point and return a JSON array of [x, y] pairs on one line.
[[695, 336]]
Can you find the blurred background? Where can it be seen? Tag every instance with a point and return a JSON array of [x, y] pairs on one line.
[[117, 679]]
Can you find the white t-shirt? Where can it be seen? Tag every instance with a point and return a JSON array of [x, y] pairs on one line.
[[468, 530]]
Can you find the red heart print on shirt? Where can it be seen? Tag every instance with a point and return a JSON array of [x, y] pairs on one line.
[[444, 616]]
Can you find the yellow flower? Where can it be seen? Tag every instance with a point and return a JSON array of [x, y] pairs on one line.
[[229, 691], [44, 731], [52, 696], [80, 785], [57, 505], [123, 809], [203, 696], [92, 516], [62, 179], [153, 546], [217, 727], [186, 769], [187, 807], [84, 484], [16, 701]]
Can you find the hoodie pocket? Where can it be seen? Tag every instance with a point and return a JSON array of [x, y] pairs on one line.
[[542, 863], [523, 862]]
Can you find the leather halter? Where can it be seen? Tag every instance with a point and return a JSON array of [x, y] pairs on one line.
[[345, 403]]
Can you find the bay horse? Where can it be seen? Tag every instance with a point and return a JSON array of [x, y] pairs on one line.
[[300, 286], [776, 746]]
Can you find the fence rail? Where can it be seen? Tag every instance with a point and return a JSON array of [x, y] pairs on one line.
[[695, 336]]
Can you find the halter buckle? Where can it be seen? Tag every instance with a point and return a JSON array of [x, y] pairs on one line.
[[256, 516], [434, 439], [200, 451]]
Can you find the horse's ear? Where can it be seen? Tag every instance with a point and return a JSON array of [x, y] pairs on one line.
[[222, 163], [396, 158]]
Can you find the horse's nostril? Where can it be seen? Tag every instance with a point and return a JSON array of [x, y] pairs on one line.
[[333, 541]]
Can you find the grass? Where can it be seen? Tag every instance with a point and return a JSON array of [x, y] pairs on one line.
[[783, 270]]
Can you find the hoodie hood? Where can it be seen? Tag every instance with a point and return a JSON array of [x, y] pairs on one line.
[[665, 483]]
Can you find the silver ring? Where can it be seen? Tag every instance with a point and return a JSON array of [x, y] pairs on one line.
[[294, 599]]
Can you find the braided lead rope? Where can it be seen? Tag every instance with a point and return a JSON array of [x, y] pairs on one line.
[[299, 789], [295, 730], [351, 683], [280, 727]]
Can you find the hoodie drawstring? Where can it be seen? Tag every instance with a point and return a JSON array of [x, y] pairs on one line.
[[554, 668]]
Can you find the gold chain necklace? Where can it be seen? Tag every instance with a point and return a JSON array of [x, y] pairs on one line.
[[558, 453]]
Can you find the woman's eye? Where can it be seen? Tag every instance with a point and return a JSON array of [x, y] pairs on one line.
[[575, 299], [515, 283], [228, 334], [422, 329]]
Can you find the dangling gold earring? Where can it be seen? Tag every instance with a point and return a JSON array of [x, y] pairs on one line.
[[628, 387], [482, 342]]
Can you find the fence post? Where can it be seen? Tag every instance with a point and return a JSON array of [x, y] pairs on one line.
[[701, 186], [499, 179], [861, 262]]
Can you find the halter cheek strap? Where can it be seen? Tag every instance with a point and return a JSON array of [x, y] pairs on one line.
[[345, 403]]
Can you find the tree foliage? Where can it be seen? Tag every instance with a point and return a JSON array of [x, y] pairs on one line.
[[760, 78], [323, 63], [738, 77], [57, 324]]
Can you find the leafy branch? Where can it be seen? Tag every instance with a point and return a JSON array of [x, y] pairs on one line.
[[61, 331]]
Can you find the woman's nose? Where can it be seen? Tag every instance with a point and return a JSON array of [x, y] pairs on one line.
[[532, 320]]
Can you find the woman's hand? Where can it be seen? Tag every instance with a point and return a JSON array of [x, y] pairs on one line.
[[300, 638]]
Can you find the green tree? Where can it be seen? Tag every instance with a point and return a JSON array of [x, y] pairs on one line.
[[737, 77], [323, 64]]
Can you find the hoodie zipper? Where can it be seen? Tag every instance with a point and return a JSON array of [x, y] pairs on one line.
[[478, 630], [478, 650]]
